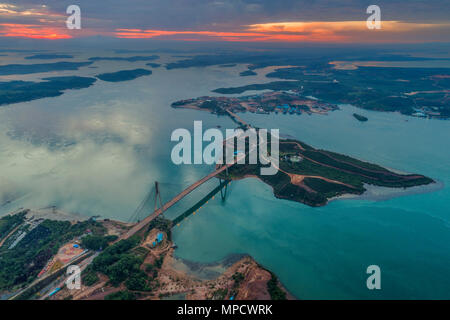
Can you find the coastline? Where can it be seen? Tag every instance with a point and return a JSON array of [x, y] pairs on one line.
[[214, 271], [372, 193], [378, 193], [237, 276]]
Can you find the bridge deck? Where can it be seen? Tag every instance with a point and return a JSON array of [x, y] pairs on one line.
[[185, 192]]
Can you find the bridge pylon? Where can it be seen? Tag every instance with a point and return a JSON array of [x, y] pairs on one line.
[[158, 196]]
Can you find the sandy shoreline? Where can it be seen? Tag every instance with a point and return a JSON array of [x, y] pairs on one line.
[[377, 193], [213, 271]]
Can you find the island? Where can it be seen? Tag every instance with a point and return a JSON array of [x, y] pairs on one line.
[[37, 246], [359, 117], [22, 91], [275, 85], [49, 56], [247, 73], [11, 69], [420, 92], [229, 65], [305, 174], [313, 176], [153, 65], [129, 59], [124, 75], [286, 102]]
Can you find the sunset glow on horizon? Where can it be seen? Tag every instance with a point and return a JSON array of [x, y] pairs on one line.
[[314, 31], [49, 22], [32, 31]]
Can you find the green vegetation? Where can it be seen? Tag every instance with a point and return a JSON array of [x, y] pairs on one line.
[[89, 276], [9, 222], [21, 91], [120, 263], [138, 281], [394, 89], [274, 290], [323, 175], [11, 69], [376, 88], [20, 265], [124, 75], [220, 294], [95, 242], [162, 224], [116, 262], [121, 295]]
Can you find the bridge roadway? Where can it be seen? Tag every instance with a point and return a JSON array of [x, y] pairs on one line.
[[140, 225], [238, 119]]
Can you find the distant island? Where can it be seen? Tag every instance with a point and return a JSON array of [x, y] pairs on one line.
[[153, 65], [124, 75], [247, 73], [22, 91], [49, 56], [129, 59], [276, 85], [291, 102], [360, 117], [419, 92], [11, 69]]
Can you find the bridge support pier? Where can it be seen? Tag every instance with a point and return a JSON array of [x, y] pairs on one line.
[[223, 193]]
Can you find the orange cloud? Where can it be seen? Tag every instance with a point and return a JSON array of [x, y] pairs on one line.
[[31, 31], [318, 31], [211, 35], [39, 22], [338, 26]]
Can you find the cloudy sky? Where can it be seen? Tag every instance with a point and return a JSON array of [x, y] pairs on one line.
[[230, 20]]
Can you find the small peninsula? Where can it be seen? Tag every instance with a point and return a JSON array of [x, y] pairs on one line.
[[247, 73], [11, 69], [305, 174], [129, 59], [360, 118], [313, 176], [124, 75], [49, 56], [22, 91], [153, 65]]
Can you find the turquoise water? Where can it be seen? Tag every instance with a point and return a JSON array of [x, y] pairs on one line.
[[99, 151], [323, 253]]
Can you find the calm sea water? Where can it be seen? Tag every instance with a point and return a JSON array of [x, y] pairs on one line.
[[99, 151], [324, 252]]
